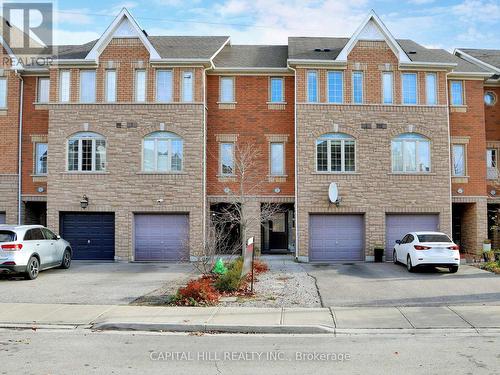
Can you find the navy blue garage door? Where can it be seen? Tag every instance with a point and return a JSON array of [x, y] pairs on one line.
[[91, 235]]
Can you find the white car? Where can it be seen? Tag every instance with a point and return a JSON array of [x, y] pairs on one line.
[[427, 248], [29, 249]]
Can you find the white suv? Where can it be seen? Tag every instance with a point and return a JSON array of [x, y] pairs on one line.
[[30, 249]]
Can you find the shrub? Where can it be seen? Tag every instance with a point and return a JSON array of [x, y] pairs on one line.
[[492, 267], [259, 266], [230, 281], [197, 292]]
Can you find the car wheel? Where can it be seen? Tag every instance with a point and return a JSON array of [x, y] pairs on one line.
[[32, 268], [394, 257], [409, 266], [453, 269], [66, 260]]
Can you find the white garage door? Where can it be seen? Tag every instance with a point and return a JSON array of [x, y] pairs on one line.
[[396, 226], [336, 238]]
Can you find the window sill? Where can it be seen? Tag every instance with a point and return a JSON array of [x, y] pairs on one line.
[[161, 173], [460, 179], [277, 178], [276, 106], [411, 174], [3, 111], [226, 105], [84, 173], [336, 173], [458, 108]]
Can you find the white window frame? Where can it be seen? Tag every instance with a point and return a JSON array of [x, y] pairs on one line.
[[307, 86], [170, 93], [137, 94], [403, 88], [37, 155], [3, 93], [282, 173], [107, 98], [183, 84], [221, 86], [391, 74], [282, 99], [464, 161], [39, 91], [162, 136], [344, 137], [435, 88], [63, 89], [462, 99], [491, 171], [354, 73], [95, 85], [233, 146], [87, 136], [416, 141], [328, 86]]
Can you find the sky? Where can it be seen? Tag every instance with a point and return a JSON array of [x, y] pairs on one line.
[[434, 24]]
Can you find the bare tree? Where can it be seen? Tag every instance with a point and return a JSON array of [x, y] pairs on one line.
[[249, 178]]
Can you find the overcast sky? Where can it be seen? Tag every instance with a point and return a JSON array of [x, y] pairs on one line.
[[435, 24]]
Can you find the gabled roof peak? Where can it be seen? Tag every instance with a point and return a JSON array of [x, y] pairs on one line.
[[123, 26], [372, 28]]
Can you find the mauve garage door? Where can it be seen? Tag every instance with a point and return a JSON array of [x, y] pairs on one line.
[[396, 226], [161, 237], [336, 238], [91, 235]]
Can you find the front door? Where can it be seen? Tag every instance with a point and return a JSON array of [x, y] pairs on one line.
[[278, 232]]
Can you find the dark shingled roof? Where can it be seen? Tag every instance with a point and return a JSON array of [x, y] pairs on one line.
[[252, 56], [304, 48], [488, 56], [187, 47], [176, 47]]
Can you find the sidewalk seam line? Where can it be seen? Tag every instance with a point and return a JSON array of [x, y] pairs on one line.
[[408, 320], [461, 317], [332, 314]]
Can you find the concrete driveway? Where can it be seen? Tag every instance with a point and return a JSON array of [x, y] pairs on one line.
[[386, 284], [96, 283]]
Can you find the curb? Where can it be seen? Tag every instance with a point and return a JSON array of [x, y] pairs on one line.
[[176, 327]]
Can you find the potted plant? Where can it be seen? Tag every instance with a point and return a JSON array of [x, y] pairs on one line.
[[486, 245]]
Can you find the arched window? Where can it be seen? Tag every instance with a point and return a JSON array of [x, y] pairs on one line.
[[86, 152], [335, 152], [411, 153], [162, 152]]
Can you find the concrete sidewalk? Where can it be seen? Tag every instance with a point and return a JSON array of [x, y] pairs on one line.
[[258, 320]]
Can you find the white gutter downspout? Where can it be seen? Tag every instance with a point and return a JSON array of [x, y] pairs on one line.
[[296, 187], [20, 151], [449, 149]]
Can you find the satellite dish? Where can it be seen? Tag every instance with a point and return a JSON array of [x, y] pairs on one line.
[[333, 192]]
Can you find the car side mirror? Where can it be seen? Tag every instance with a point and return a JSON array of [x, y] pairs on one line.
[[398, 242], [58, 236]]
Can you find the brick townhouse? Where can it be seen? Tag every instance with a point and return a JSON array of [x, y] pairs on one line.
[[129, 142]]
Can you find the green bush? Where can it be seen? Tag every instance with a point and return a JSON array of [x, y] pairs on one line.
[[230, 281]]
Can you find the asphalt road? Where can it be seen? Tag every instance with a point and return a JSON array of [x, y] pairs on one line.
[[84, 352]]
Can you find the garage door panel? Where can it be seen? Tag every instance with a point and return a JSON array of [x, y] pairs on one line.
[[161, 237], [336, 237], [396, 226], [91, 235]]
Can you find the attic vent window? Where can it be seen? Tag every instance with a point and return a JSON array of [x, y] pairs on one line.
[[317, 50], [326, 50], [412, 52]]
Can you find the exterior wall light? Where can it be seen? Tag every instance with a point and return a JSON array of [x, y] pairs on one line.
[[84, 203]]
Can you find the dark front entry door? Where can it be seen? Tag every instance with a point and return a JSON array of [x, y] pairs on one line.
[[91, 235], [278, 232]]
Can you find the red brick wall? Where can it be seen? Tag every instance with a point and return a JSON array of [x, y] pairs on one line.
[[492, 116], [372, 57], [9, 120], [471, 124], [35, 122], [251, 120], [125, 53]]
